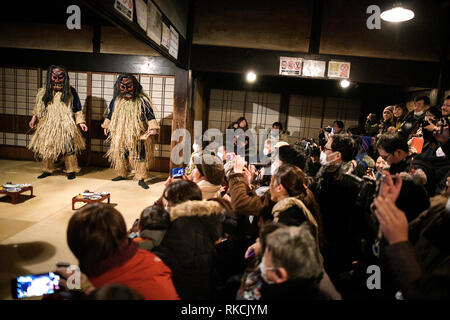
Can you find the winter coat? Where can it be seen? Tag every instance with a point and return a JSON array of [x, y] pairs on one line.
[[292, 212], [343, 200], [188, 247], [246, 203], [138, 269]]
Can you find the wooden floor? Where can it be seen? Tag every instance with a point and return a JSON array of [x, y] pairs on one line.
[[33, 231]]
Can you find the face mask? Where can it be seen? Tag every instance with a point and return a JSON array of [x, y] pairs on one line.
[[275, 132], [323, 158], [266, 151], [418, 114], [196, 147], [263, 269]]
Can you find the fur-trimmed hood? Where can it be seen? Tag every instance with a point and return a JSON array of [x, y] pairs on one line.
[[196, 208], [287, 203]]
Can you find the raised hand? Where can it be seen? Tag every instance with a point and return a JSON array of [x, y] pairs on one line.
[[239, 164], [389, 190], [254, 249], [393, 221]]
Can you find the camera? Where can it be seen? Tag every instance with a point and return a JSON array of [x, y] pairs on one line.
[[328, 130]]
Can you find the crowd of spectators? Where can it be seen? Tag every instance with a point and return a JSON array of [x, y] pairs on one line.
[[304, 222]]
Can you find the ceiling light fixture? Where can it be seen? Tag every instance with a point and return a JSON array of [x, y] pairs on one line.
[[397, 14], [345, 83], [251, 76]]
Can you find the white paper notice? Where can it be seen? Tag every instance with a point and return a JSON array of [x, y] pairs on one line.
[[290, 66], [154, 24], [337, 69], [165, 38], [125, 7], [313, 68], [141, 14], [173, 49]]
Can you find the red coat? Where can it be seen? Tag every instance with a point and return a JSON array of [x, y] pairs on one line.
[[145, 273]]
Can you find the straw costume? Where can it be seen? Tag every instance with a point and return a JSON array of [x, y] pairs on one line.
[[57, 112], [132, 129]]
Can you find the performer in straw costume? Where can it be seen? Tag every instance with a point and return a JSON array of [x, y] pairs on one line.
[[131, 128], [56, 117]]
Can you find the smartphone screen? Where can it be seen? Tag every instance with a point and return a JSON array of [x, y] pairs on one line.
[[177, 172], [35, 285]]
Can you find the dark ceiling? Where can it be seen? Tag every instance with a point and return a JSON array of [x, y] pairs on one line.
[[285, 25]]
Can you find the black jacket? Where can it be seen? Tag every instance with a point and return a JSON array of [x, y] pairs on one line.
[[188, 247], [344, 201]]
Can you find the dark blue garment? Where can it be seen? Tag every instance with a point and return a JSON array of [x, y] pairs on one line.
[[76, 103]]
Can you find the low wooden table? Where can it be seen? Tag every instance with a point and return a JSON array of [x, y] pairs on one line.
[[86, 200], [15, 194]]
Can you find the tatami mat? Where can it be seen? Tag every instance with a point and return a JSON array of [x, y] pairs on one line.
[[33, 232]]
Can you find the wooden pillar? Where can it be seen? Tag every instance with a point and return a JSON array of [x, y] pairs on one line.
[[182, 114], [284, 109]]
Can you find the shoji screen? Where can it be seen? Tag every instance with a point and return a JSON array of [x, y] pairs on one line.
[[346, 110], [261, 109], [18, 87], [304, 117]]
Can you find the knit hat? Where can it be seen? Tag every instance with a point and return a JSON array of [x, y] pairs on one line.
[[390, 109], [210, 167]]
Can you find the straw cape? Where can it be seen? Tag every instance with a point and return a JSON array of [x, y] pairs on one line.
[[127, 128], [56, 133]]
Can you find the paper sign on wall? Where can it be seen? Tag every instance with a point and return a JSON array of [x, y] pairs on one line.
[[173, 48], [337, 69], [165, 38], [313, 68], [125, 7], [154, 23], [290, 66], [141, 14]]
